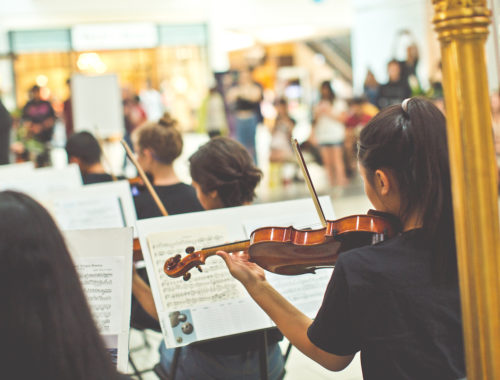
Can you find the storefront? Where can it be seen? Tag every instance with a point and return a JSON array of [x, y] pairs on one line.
[[172, 57]]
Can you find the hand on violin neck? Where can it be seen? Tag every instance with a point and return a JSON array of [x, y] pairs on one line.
[[248, 273]]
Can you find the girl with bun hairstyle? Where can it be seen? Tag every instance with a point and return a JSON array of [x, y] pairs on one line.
[[157, 145], [397, 302], [223, 175]]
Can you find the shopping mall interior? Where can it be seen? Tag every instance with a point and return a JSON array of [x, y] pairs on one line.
[[268, 76]]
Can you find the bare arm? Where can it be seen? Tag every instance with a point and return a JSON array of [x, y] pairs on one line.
[[291, 321]]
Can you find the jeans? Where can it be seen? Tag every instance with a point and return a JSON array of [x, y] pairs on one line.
[[246, 129], [197, 364]]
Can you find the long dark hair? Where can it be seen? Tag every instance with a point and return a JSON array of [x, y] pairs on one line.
[[224, 165], [412, 143], [46, 328]]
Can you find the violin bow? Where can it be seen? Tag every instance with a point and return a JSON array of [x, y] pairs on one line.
[[100, 141], [144, 177], [307, 177]]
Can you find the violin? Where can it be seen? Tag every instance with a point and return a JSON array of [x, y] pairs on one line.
[[289, 251]]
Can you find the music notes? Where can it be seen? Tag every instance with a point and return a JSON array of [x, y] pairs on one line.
[[215, 284], [102, 280]]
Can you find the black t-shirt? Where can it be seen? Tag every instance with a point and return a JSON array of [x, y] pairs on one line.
[[381, 301], [91, 178], [393, 93], [177, 199]]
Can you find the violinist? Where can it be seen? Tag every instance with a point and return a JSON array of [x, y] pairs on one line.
[[396, 301], [157, 145], [84, 149], [47, 328], [224, 175]]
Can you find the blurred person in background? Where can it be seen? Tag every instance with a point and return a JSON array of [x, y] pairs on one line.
[[246, 97], [40, 115], [394, 91], [371, 87], [281, 144], [5, 127], [68, 112], [35, 133], [151, 102], [212, 114], [329, 133], [359, 114]]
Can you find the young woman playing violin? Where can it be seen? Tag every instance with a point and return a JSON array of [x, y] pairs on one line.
[[157, 145], [224, 175], [396, 301]]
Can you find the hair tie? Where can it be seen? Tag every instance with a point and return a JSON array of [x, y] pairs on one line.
[[404, 105]]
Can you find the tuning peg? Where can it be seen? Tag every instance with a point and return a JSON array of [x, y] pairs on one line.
[[199, 268], [189, 250], [186, 276]]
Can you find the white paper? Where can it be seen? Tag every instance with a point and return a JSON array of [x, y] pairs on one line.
[[102, 279], [207, 306], [103, 258], [7, 170], [101, 205], [44, 180]]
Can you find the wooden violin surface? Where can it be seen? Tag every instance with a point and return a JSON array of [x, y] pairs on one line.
[[289, 251]]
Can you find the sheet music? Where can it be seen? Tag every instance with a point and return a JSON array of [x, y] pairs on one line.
[[103, 259], [85, 212], [195, 310], [305, 291], [102, 279], [215, 284]]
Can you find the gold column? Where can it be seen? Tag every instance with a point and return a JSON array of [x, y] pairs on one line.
[[462, 27]]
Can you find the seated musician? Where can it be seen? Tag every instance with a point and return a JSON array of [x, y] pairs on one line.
[[157, 145], [224, 175], [396, 301], [83, 149], [47, 329]]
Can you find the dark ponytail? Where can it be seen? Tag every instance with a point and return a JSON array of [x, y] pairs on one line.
[[410, 140], [224, 165]]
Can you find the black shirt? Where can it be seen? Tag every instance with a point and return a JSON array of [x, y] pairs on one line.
[[91, 178], [393, 93], [381, 301], [177, 199]]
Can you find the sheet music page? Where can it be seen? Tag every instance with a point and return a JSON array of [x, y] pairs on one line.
[[102, 279], [86, 212], [103, 260], [212, 303], [214, 284], [305, 291]]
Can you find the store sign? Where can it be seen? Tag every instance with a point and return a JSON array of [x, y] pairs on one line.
[[114, 36]]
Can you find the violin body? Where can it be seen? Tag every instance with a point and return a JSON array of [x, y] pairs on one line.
[[288, 251]]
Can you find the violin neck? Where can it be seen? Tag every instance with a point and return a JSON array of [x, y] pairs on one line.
[[229, 248]]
